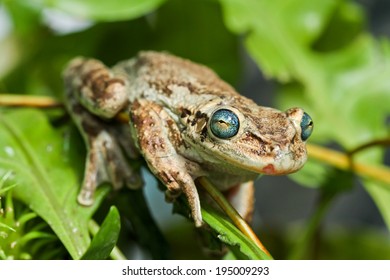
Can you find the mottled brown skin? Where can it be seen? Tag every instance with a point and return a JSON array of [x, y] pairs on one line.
[[171, 102]]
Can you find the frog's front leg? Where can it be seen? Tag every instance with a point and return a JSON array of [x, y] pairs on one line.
[[157, 136], [92, 88]]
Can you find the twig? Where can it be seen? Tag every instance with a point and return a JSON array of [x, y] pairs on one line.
[[343, 162], [377, 142], [18, 100]]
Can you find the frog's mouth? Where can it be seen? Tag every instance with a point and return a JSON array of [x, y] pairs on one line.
[[269, 169], [278, 168], [282, 164]]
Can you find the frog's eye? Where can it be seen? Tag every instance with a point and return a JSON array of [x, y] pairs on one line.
[[306, 126], [224, 124]]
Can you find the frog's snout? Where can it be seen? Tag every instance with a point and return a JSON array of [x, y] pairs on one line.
[[301, 121]]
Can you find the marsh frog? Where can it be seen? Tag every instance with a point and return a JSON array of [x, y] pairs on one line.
[[185, 122]]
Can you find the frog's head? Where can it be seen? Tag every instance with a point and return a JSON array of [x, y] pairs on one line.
[[257, 139]]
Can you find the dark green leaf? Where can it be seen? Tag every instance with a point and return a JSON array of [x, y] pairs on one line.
[[337, 182], [198, 34], [105, 239], [133, 206], [241, 246], [26, 17]]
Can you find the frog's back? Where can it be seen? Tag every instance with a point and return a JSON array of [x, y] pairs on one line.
[[161, 71]]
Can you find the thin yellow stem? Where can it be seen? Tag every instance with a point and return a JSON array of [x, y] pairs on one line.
[[342, 161], [29, 101], [240, 223], [377, 142]]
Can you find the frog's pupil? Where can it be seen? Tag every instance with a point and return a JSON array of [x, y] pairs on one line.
[[306, 126], [224, 124]]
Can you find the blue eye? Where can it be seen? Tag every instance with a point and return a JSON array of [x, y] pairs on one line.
[[224, 124], [306, 126]]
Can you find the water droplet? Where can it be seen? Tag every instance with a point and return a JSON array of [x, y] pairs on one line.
[[49, 148], [13, 244], [9, 151]]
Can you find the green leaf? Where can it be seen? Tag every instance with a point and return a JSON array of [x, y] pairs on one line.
[[26, 17], [47, 177], [240, 245], [277, 30], [101, 9], [199, 35], [105, 239], [133, 206]]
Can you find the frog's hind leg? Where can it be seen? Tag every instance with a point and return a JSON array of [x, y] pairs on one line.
[[96, 87], [241, 197], [106, 156], [107, 160]]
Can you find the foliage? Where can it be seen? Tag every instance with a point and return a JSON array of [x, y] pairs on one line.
[[22, 234], [319, 54]]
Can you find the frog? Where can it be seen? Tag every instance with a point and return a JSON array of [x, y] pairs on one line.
[[186, 123]]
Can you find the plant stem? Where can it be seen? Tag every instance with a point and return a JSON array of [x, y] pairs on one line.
[[29, 101], [378, 142], [301, 247], [343, 162], [231, 212]]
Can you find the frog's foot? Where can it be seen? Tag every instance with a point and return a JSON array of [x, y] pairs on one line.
[[178, 183], [171, 194], [241, 197], [106, 163]]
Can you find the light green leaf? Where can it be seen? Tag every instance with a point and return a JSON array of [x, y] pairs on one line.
[[45, 175], [103, 10], [277, 30]]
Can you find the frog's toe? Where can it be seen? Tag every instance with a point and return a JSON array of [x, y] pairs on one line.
[[134, 181], [172, 194], [86, 197]]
